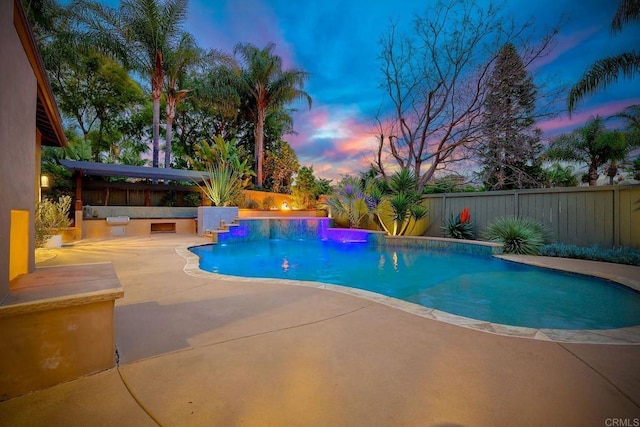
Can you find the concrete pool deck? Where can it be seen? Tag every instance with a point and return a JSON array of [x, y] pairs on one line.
[[197, 351]]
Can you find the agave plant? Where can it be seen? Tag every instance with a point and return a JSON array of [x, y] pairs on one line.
[[519, 235], [459, 226], [403, 201], [223, 185], [349, 199]]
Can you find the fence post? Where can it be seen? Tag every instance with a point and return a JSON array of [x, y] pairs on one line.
[[616, 216], [444, 206]]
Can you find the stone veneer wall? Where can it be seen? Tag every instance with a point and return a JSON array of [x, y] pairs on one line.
[[465, 246], [251, 229], [319, 228]]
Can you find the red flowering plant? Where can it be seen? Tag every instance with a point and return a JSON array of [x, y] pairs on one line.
[[459, 226]]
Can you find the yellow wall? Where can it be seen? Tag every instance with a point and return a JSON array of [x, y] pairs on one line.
[[19, 244], [259, 196]]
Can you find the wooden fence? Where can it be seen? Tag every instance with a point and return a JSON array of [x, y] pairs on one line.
[[606, 216]]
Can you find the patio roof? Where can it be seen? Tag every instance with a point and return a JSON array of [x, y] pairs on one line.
[[48, 120], [109, 169]]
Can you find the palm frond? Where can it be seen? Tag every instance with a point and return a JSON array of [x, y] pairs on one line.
[[603, 73], [628, 10]]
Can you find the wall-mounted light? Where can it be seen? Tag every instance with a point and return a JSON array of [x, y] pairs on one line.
[[44, 181], [285, 206]]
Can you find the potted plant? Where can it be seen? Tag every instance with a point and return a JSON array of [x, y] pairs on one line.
[[51, 218]]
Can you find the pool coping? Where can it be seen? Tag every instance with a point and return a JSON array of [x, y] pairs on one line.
[[620, 336]]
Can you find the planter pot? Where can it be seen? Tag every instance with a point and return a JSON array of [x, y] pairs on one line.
[[209, 217], [54, 241]]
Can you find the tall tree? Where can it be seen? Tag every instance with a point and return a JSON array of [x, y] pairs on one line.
[[591, 144], [280, 163], [305, 192], [139, 32], [607, 70], [434, 79], [511, 144], [176, 63], [210, 109], [270, 88], [95, 93]]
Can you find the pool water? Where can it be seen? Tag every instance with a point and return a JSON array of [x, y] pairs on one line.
[[478, 287]]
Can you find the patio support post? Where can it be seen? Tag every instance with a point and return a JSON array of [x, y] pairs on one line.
[[78, 191], [78, 210]]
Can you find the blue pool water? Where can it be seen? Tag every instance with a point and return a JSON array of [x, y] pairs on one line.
[[478, 287]]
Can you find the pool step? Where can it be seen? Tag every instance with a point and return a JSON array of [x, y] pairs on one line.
[[222, 228], [225, 226]]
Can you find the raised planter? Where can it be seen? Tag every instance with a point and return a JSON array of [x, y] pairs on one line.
[[475, 247], [54, 241]]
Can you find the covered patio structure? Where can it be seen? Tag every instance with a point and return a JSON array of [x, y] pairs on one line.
[[140, 202]]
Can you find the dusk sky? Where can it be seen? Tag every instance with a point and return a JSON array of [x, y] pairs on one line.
[[337, 42]]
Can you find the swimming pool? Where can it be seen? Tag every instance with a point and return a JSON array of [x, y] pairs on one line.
[[478, 287]]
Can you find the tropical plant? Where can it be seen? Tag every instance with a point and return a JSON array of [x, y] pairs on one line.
[[225, 153], [560, 176], [349, 200], [50, 217], [140, 33], [222, 184], [607, 70], [400, 198], [269, 89], [176, 63], [459, 226], [519, 235], [592, 144]]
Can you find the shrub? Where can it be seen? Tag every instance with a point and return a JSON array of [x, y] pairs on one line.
[[519, 235], [251, 204], [619, 255], [268, 203], [192, 199], [50, 217], [460, 226]]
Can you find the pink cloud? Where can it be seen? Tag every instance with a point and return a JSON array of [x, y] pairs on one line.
[[564, 44], [564, 123]]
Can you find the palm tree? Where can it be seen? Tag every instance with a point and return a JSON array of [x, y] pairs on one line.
[[592, 144], [269, 88], [140, 33], [607, 70], [176, 64]]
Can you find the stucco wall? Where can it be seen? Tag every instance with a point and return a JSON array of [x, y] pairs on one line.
[[17, 137]]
